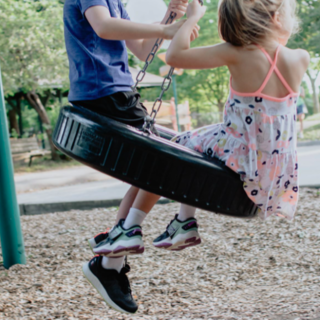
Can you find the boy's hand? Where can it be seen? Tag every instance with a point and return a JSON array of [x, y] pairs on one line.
[[179, 7], [195, 10], [172, 29]]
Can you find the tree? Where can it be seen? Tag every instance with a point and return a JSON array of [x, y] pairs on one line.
[[206, 90], [32, 52], [308, 38], [313, 73]]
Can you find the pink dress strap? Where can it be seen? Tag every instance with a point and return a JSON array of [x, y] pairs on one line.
[[275, 69]]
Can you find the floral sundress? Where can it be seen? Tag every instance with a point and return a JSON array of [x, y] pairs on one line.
[[258, 141]]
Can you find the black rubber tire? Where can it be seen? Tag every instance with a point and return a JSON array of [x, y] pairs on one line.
[[151, 163], [166, 133]]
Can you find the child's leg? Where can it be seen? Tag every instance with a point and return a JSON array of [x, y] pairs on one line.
[[126, 203], [145, 201], [123, 211], [125, 238], [186, 212], [141, 206], [113, 263], [301, 118], [141, 202]]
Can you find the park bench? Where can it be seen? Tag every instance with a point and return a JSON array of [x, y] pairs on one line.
[[25, 148]]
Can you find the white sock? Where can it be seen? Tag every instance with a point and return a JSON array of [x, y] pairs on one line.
[[112, 263], [186, 212], [134, 217]]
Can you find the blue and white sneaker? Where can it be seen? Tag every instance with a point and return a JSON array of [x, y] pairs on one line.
[[179, 235], [121, 242]]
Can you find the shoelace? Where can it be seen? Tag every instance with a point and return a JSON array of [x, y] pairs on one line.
[[123, 279]]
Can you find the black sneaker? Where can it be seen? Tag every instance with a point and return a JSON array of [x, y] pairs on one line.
[[114, 287], [97, 239]]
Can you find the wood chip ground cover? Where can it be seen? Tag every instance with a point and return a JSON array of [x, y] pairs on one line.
[[242, 270]]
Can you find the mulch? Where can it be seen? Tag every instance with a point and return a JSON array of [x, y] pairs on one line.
[[244, 269]]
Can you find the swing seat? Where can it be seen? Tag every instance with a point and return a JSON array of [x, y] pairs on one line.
[[165, 133], [151, 163]]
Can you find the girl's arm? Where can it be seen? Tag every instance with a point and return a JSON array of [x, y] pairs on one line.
[[180, 54]]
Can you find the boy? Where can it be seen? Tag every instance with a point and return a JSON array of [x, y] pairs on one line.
[[96, 35]]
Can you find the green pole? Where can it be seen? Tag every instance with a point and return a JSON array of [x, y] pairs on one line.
[[174, 86], [10, 227]]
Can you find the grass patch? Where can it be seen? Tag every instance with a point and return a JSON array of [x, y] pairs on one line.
[[45, 164], [312, 133], [314, 117]]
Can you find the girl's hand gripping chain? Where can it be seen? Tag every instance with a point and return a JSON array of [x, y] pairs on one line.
[[195, 10], [179, 7]]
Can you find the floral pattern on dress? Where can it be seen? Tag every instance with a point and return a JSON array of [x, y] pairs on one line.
[[258, 141]]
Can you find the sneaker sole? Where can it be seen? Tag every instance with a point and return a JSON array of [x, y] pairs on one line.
[[188, 243], [121, 251], [193, 240], [94, 281], [120, 248], [92, 244]]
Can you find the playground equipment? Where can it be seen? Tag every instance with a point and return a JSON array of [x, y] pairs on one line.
[[10, 228], [150, 162]]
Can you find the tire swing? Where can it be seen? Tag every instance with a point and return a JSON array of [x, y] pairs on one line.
[[149, 162]]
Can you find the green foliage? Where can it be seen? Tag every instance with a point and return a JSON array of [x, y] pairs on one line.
[[308, 37], [33, 56], [14, 133], [312, 133], [32, 52], [205, 89]]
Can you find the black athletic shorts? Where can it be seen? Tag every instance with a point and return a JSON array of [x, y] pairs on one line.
[[124, 106]]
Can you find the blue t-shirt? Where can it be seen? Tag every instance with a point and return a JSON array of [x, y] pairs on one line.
[[98, 67]]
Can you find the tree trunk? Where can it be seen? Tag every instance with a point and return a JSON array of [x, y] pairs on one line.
[[314, 92], [36, 103], [13, 123], [18, 101]]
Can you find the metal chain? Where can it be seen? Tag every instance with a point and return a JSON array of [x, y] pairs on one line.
[[150, 119], [152, 54]]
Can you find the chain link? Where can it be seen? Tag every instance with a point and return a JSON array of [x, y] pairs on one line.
[[152, 54], [150, 119]]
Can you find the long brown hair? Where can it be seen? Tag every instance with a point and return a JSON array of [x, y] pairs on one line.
[[245, 22]]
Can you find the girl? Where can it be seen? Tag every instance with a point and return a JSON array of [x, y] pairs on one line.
[[258, 137]]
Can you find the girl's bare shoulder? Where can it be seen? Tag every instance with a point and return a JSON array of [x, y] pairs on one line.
[[296, 57]]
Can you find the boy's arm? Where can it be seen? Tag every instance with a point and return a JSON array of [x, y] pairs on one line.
[[110, 28], [139, 37]]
